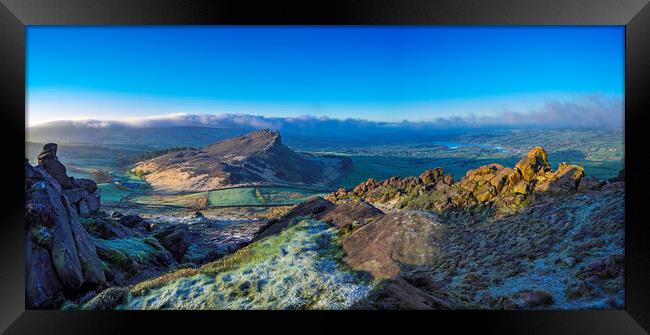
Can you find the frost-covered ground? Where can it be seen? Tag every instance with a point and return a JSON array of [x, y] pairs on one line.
[[299, 269], [569, 246]]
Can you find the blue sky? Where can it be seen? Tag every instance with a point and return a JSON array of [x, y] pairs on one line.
[[374, 73]]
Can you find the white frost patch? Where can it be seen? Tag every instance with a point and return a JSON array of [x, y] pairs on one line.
[[301, 271]]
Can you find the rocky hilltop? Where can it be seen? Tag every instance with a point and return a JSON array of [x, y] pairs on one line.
[[256, 158]]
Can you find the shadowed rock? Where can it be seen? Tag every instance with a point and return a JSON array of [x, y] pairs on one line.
[[50, 162], [42, 285], [351, 213], [82, 194], [60, 253]]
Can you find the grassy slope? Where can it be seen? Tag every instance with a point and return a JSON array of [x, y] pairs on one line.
[[298, 269]]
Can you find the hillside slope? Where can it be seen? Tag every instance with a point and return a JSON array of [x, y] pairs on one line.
[[258, 158]]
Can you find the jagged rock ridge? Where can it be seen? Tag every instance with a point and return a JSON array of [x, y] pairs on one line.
[[506, 188], [256, 158]]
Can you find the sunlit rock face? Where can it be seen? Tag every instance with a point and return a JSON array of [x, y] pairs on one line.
[[507, 189]]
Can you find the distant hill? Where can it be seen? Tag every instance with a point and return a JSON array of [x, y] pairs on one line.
[[257, 158], [144, 138]]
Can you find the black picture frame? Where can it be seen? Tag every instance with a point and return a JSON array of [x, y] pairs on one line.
[[633, 14]]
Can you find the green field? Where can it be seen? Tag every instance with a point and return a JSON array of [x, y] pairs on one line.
[[113, 193], [244, 196], [258, 196]]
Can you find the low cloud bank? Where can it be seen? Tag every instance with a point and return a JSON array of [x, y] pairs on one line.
[[594, 111]]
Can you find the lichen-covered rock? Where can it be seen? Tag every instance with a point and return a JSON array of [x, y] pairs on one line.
[[83, 194], [351, 213], [107, 299], [173, 240], [431, 176], [91, 266], [493, 185], [64, 249], [486, 193], [313, 206], [534, 164], [522, 187], [42, 285], [130, 220], [566, 178], [57, 245], [74, 195]]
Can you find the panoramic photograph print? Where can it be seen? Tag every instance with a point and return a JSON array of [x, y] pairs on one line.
[[324, 167]]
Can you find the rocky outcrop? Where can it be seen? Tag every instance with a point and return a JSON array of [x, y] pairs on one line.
[[72, 248], [397, 191], [256, 158], [505, 188], [173, 239], [60, 255], [83, 194]]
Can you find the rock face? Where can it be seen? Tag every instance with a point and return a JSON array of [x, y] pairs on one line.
[[255, 158], [505, 188], [395, 238], [82, 194], [60, 255]]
